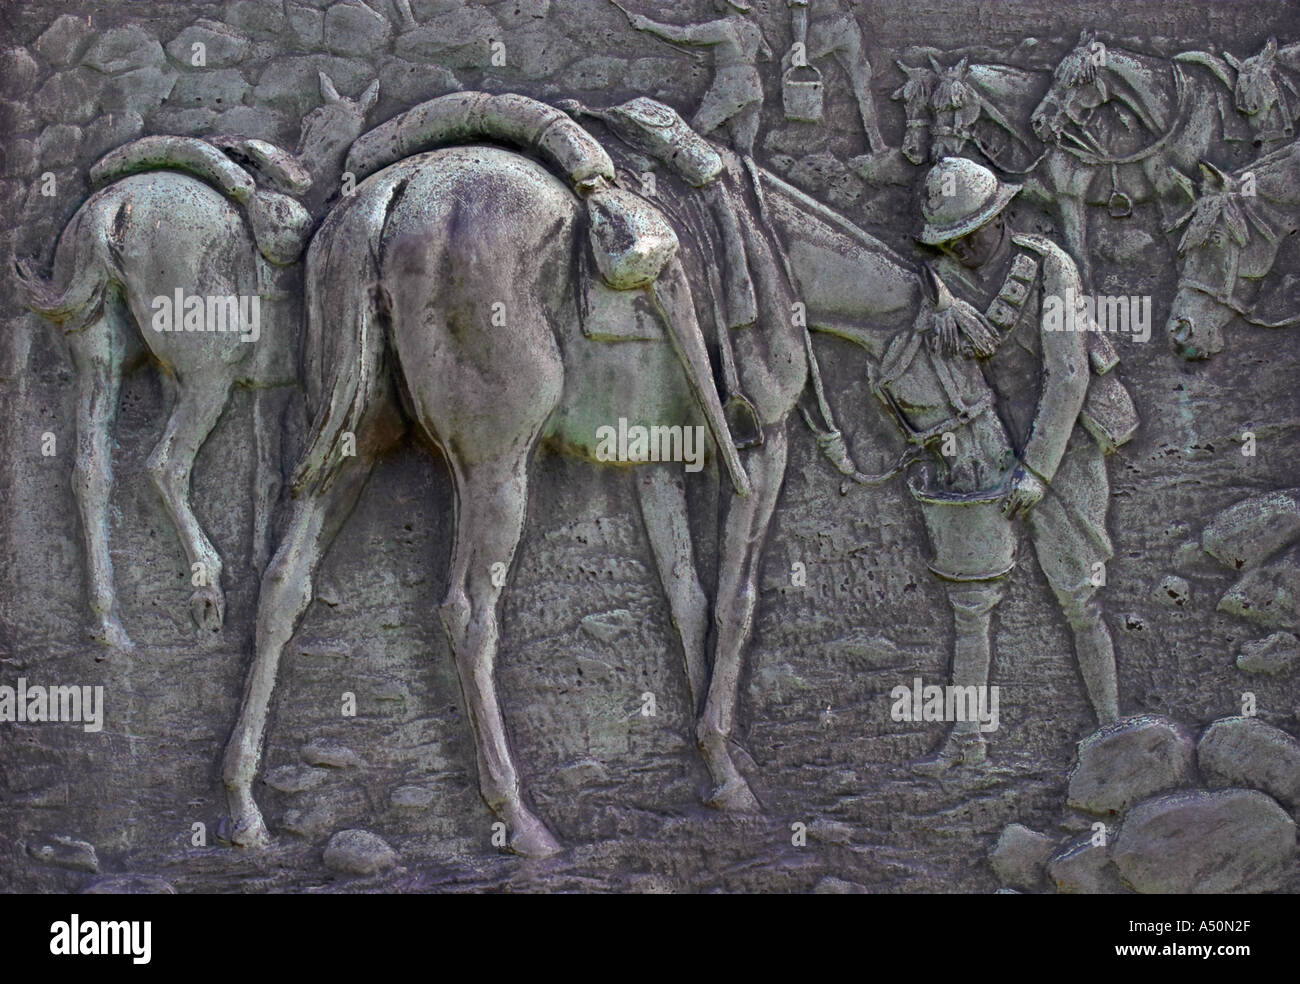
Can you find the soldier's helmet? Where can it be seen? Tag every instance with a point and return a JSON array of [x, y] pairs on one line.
[[959, 197]]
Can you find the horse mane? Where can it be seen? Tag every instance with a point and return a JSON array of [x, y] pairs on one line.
[[1076, 68]]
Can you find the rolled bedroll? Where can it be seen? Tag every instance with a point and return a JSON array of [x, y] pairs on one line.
[[525, 124]]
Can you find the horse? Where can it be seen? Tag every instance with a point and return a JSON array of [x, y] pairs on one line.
[[1232, 237], [443, 298], [1124, 128], [179, 227], [1259, 86]]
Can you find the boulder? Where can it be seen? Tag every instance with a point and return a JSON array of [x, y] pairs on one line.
[[358, 852], [1202, 841], [1244, 751], [223, 46], [1084, 867], [1020, 856], [1128, 761], [63, 41], [1272, 656], [1248, 531]]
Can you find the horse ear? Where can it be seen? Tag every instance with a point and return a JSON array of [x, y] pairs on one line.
[[327, 90], [897, 93], [961, 65], [1084, 40], [1232, 60], [935, 63], [369, 97], [1215, 179], [1270, 50], [1101, 88]]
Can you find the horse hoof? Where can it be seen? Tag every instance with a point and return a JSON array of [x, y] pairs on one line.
[[531, 839], [733, 796], [208, 609], [111, 634], [250, 832]]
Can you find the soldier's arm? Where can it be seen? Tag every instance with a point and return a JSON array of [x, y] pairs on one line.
[[711, 33], [1065, 376]]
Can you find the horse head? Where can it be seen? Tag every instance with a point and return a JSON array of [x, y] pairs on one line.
[[915, 94], [1077, 90], [1227, 246], [1260, 92], [955, 105], [329, 130]]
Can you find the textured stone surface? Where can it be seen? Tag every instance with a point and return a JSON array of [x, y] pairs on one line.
[[1129, 761], [1239, 751], [358, 852], [1019, 856], [620, 789], [1084, 867], [1230, 840], [1273, 655]]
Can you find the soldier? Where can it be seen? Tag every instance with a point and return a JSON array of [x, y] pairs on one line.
[[833, 30], [735, 99], [1054, 392]]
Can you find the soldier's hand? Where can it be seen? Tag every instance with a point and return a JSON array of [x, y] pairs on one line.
[[1026, 491]]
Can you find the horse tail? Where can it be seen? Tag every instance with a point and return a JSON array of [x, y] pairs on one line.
[[96, 262], [346, 333]]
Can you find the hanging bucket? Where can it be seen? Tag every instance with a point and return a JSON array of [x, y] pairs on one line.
[[970, 538], [802, 89]]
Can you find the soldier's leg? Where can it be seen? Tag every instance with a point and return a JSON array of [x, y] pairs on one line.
[[1072, 546], [842, 38]]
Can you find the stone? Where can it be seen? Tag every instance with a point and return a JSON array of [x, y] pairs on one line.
[[410, 83], [124, 49], [62, 42], [583, 774], [1245, 533], [1083, 867], [1245, 751], [354, 29], [358, 852], [331, 753], [68, 97], [58, 144], [18, 157], [111, 130], [1173, 591], [128, 885], [457, 39], [61, 851], [217, 89], [252, 121], [1272, 656], [412, 797], [19, 70], [223, 46], [306, 26], [295, 778], [256, 18], [140, 91], [1205, 842], [184, 122], [1269, 594], [1019, 857], [1128, 761], [291, 84]]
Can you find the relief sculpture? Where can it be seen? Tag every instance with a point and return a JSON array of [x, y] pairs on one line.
[[940, 554]]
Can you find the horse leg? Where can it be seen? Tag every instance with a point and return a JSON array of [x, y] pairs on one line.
[[97, 354], [286, 592], [202, 397], [269, 405], [491, 497], [663, 510], [739, 556]]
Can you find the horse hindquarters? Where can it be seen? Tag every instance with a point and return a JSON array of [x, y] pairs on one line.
[[473, 304]]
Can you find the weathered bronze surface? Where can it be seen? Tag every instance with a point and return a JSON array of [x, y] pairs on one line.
[[746, 445]]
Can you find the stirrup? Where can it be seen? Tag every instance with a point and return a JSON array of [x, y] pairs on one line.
[[742, 422]]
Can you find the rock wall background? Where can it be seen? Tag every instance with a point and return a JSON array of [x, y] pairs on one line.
[[585, 626]]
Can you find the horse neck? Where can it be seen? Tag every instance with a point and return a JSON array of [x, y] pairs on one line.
[[1277, 177], [1142, 84]]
